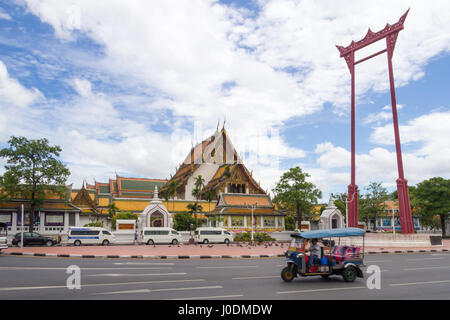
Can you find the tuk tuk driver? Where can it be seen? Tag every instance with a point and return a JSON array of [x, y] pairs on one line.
[[315, 256]]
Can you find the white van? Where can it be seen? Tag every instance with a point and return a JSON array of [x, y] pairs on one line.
[[152, 235], [218, 235], [85, 235]]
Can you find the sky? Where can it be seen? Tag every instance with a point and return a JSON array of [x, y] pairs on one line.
[[127, 87]]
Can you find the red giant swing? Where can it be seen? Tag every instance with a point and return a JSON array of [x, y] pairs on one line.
[[390, 33]]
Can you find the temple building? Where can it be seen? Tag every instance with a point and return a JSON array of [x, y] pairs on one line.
[[217, 162], [235, 212], [230, 182], [56, 214]]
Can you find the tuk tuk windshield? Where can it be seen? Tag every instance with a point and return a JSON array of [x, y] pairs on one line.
[[297, 243]]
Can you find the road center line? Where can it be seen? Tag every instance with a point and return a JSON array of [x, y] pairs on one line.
[[135, 275], [99, 284], [417, 283], [145, 263], [157, 290], [83, 268], [209, 297], [320, 290], [261, 277], [424, 259], [426, 268], [226, 267], [376, 261]]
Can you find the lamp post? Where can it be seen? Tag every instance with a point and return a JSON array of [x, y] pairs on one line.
[[252, 207]]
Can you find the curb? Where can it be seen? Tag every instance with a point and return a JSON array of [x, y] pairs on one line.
[[185, 257], [180, 257]]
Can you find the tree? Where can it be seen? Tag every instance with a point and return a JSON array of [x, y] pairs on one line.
[[374, 201], [112, 209], [172, 191], [193, 209], [209, 196], [32, 170], [197, 193], [183, 221], [125, 216], [293, 191], [433, 199]]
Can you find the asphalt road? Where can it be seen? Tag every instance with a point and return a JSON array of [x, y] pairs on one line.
[[403, 276]]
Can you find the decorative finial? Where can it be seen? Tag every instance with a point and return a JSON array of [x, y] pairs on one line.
[[155, 193]]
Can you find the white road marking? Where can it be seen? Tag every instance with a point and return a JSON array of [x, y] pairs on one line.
[[158, 290], [416, 283], [209, 297], [100, 284], [145, 263], [376, 261], [82, 268], [249, 278], [226, 267], [424, 259], [426, 268], [320, 290], [135, 275]]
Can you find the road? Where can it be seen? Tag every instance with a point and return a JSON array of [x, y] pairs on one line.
[[403, 276]]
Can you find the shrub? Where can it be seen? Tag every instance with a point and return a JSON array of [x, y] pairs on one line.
[[182, 221], [289, 222], [97, 224], [124, 216], [257, 236]]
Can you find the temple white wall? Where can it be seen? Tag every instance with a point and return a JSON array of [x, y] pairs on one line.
[[207, 171]]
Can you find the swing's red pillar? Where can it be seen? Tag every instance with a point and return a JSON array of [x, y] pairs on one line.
[[390, 32]]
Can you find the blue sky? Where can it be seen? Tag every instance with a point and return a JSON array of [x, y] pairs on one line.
[[127, 88]]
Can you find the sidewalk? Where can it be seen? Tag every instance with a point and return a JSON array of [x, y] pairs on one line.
[[190, 251]]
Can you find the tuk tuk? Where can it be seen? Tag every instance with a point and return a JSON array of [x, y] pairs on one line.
[[345, 261]]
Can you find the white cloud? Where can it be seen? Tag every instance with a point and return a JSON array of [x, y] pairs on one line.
[[4, 15], [187, 50]]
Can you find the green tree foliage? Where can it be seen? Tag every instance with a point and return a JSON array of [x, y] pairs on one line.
[[373, 202], [182, 221], [433, 199], [123, 216], [32, 169], [289, 222], [172, 192], [112, 209], [294, 192], [197, 193], [97, 224]]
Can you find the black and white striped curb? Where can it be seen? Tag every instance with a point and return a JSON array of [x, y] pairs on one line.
[[250, 256]]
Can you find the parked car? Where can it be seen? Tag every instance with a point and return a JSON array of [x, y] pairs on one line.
[[3, 236], [33, 238], [210, 234], [152, 235]]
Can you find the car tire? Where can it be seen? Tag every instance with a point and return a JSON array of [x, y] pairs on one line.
[[18, 243], [206, 241], [227, 241], [105, 243], [349, 274], [287, 275], [150, 242], [49, 243], [174, 241], [77, 243]]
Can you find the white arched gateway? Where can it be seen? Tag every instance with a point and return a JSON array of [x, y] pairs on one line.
[[331, 217], [155, 214]]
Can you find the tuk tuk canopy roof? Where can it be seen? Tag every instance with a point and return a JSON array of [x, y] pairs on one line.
[[342, 232]]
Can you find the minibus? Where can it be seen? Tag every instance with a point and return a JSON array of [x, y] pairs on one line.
[[212, 235], [153, 235], [85, 235]]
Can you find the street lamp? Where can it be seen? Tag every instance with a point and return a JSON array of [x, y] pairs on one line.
[[252, 207]]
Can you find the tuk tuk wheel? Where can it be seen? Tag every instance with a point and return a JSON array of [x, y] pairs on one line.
[[287, 274], [349, 274], [325, 276]]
